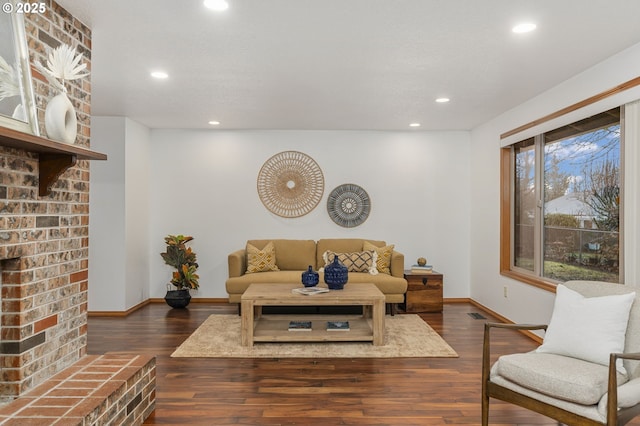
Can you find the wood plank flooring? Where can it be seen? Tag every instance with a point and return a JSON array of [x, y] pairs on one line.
[[399, 391]]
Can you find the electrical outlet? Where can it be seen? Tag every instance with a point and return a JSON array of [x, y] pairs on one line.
[[505, 291]]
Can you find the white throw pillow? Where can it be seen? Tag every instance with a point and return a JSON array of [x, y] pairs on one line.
[[588, 328]]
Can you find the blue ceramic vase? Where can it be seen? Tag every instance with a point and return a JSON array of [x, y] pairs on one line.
[[310, 277], [336, 274]]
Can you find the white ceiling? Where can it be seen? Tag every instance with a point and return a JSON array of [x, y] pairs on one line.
[[340, 64]]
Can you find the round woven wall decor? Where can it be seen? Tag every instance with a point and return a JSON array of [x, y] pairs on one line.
[[348, 205], [290, 184]]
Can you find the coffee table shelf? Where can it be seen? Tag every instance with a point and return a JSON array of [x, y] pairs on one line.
[[275, 328], [272, 328]]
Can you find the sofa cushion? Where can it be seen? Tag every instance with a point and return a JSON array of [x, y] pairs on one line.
[[393, 287], [384, 256], [341, 245], [359, 261], [588, 328], [563, 377], [386, 283], [291, 255], [238, 285], [261, 260]]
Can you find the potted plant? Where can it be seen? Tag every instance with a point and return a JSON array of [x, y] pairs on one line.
[[183, 259]]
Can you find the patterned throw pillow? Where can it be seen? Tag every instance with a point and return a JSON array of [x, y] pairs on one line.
[[261, 260], [384, 256], [361, 261]]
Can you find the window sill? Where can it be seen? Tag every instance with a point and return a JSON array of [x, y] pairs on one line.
[[531, 280]]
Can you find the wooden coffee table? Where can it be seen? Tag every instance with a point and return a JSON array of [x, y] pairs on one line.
[[275, 328]]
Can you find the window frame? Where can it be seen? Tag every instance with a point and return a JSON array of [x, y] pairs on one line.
[[507, 214]]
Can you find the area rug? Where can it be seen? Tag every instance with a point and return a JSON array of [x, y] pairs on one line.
[[406, 336]]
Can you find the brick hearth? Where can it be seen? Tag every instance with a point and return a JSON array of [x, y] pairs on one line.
[[98, 389]]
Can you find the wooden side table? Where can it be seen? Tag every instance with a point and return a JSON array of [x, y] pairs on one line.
[[424, 292]]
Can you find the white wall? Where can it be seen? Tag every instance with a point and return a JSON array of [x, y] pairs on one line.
[[137, 173], [106, 221], [203, 183], [118, 225], [526, 303]]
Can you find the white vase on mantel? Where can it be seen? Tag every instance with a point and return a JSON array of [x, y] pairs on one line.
[[60, 119]]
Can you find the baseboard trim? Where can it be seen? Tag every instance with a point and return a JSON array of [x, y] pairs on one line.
[[195, 300], [527, 333], [457, 300], [151, 300], [119, 313]]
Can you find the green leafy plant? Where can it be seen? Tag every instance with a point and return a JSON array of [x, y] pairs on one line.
[[183, 259]]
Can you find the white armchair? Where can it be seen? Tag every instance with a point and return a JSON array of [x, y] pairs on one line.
[[574, 385]]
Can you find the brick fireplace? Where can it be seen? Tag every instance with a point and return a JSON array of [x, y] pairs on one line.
[[44, 240], [46, 376]]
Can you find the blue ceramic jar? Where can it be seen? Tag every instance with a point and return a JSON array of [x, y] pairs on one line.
[[336, 274], [310, 277]]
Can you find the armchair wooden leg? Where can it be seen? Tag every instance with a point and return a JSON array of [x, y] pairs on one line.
[[485, 409]]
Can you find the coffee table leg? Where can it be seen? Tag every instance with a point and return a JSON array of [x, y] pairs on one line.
[[247, 323], [378, 322], [367, 311]]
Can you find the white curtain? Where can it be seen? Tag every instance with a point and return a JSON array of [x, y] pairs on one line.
[[631, 195]]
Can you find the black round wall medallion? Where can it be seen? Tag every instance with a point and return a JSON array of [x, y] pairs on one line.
[[348, 205]]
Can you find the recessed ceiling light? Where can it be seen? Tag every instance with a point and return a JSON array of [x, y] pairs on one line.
[[414, 125], [525, 27], [442, 100], [214, 122], [217, 5], [159, 75]]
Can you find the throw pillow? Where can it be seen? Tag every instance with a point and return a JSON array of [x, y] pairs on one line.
[[361, 261], [588, 328], [261, 260], [383, 264]]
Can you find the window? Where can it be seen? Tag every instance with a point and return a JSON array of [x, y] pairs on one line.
[[561, 203]]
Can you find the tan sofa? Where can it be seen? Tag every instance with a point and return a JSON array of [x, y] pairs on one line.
[[294, 257]]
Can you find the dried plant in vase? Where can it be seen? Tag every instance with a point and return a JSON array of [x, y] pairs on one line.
[[63, 64]]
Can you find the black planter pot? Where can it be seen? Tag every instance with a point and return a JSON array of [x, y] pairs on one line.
[[178, 298]]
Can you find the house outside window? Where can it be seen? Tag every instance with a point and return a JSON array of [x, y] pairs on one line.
[[561, 203]]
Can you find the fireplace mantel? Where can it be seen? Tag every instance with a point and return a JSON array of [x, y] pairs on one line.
[[53, 157]]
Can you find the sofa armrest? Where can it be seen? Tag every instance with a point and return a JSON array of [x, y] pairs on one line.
[[237, 263], [397, 264]]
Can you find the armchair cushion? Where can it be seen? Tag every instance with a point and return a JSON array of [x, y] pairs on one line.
[[562, 377], [629, 393], [588, 328], [628, 396]]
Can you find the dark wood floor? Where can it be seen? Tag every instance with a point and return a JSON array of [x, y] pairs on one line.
[[400, 391]]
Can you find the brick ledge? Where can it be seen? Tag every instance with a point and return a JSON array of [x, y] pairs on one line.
[[98, 389]]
